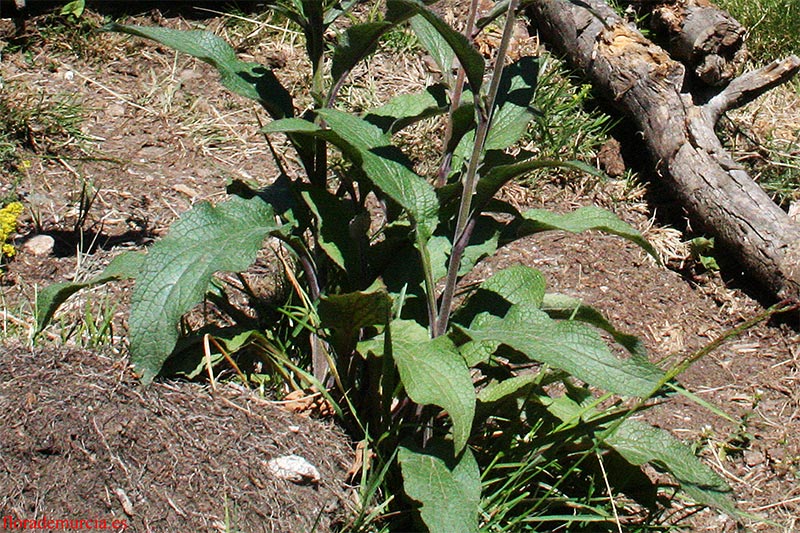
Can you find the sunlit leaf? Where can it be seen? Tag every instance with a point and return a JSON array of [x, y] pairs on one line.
[[124, 266], [178, 270], [570, 346], [434, 373], [449, 493], [251, 80], [640, 443]]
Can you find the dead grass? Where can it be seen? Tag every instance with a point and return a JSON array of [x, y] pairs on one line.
[[765, 137]]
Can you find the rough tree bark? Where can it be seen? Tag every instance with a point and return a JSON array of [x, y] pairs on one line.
[[704, 37], [642, 81]]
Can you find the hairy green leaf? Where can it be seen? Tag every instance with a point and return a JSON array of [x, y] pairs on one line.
[[177, 272], [355, 310], [337, 10], [435, 44], [483, 242], [251, 80], [355, 43], [570, 346], [124, 266], [583, 219], [406, 109], [493, 178], [334, 217], [469, 57], [640, 443], [74, 8], [517, 284], [497, 391], [346, 314], [450, 495], [433, 372], [385, 165], [566, 307], [513, 112]]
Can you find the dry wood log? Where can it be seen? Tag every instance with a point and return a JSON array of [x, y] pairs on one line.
[[642, 81], [704, 37]]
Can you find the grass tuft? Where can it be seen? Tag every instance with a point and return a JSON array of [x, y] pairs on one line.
[[771, 24]]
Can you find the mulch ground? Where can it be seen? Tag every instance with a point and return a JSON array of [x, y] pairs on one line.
[[80, 438]]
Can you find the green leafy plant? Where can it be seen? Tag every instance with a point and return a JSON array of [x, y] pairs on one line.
[[702, 249], [74, 9], [467, 396]]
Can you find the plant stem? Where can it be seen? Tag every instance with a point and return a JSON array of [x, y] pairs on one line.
[[455, 101], [463, 229], [430, 283]]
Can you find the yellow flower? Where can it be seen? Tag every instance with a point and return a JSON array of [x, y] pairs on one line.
[[8, 225]]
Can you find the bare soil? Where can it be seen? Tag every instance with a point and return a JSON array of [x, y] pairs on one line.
[[83, 440], [80, 438]]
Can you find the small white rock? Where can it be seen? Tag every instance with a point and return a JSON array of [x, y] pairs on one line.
[[40, 245], [293, 468]]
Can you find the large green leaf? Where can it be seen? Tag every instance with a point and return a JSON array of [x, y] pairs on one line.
[[500, 390], [583, 219], [469, 57], [251, 80], [450, 495], [355, 43], [368, 147], [346, 314], [433, 372], [124, 266], [514, 112], [483, 242], [435, 44], [336, 10], [493, 178], [566, 307], [177, 272], [640, 443], [406, 109], [335, 222], [567, 345], [517, 284]]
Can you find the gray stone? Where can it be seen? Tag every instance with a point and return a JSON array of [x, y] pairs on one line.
[[40, 245]]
